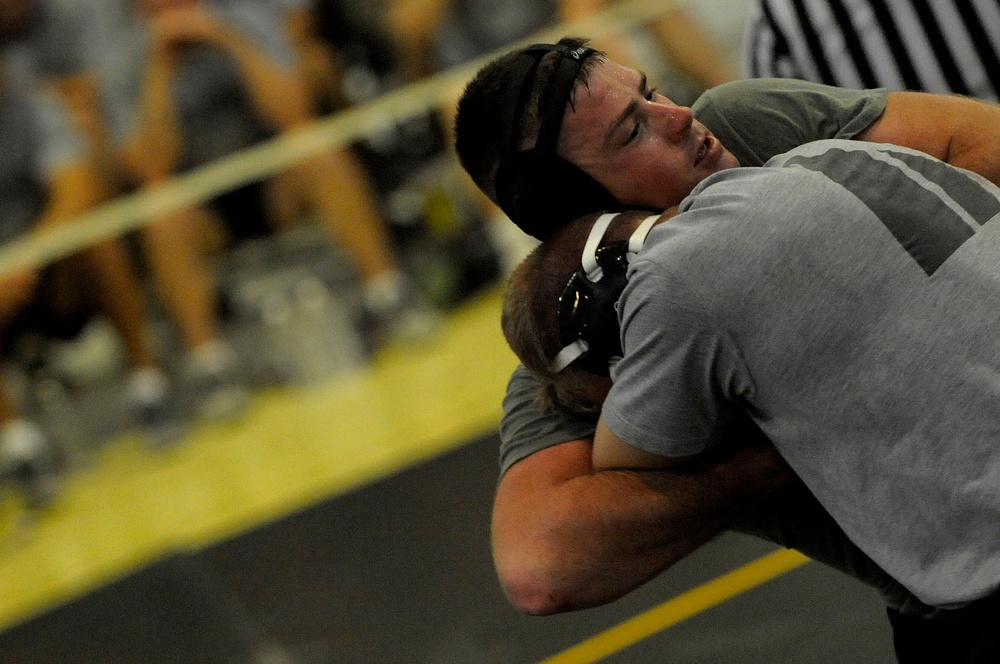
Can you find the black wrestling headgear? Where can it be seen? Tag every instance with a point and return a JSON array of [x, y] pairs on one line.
[[536, 188], [587, 317]]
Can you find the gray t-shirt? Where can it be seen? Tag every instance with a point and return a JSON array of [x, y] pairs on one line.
[[36, 140], [846, 297]]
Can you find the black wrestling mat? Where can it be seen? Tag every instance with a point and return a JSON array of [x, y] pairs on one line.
[[400, 571]]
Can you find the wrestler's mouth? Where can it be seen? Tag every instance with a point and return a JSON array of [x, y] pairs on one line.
[[703, 150]]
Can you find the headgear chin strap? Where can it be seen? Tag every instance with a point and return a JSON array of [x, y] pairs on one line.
[[539, 190], [587, 318]]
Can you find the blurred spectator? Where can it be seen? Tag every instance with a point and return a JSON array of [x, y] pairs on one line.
[[677, 33], [187, 82], [319, 61], [45, 178], [941, 46], [436, 34], [46, 40], [437, 230], [63, 42]]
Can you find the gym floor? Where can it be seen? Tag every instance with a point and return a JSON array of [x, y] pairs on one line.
[[348, 522]]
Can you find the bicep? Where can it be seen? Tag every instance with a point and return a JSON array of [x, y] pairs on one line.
[[952, 128], [915, 120], [527, 500]]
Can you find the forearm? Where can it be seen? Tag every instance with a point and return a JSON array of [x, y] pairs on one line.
[[72, 189], [582, 539], [83, 96]]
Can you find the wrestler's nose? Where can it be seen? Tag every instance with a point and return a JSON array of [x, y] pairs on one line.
[[675, 121]]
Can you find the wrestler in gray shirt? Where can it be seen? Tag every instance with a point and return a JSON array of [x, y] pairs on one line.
[[755, 120]]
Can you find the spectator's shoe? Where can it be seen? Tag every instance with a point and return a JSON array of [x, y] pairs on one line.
[[219, 391], [29, 459], [155, 408], [412, 322], [395, 312]]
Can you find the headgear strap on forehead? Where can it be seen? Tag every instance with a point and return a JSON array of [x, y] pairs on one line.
[[536, 188], [587, 319]]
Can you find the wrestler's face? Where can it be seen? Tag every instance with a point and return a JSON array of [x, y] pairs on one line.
[[647, 151]]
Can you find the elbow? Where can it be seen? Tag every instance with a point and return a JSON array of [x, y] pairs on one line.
[[540, 581], [534, 593]]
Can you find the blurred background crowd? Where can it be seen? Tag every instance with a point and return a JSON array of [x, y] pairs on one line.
[[287, 279]]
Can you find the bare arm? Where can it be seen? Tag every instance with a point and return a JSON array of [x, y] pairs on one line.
[[320, 63], [71, 190], [566, 537], [962, 131], [679, 34], [693, 49]]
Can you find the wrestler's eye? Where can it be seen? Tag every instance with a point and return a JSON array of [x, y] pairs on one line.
[[633, 134], [650, 94]]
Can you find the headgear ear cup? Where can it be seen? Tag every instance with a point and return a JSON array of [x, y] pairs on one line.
[[586, 312], [536, 188], [541, 193]]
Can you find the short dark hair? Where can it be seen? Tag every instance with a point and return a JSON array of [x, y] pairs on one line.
[[503, 109]]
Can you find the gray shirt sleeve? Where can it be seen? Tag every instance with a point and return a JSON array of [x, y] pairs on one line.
[[757, 119], [526, 428]]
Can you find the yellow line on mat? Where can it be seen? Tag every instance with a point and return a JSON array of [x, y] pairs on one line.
[[681, 608]]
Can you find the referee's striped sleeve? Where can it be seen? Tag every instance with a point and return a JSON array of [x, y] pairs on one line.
[[943, 46]]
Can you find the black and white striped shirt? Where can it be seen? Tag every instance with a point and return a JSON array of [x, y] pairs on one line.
[[933, 45]]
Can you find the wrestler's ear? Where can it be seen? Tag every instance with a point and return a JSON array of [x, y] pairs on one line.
[[542, 192]]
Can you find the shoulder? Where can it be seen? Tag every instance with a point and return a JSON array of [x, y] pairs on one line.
[[729, 214], [759, 118], [748, 95], [738, 192]]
